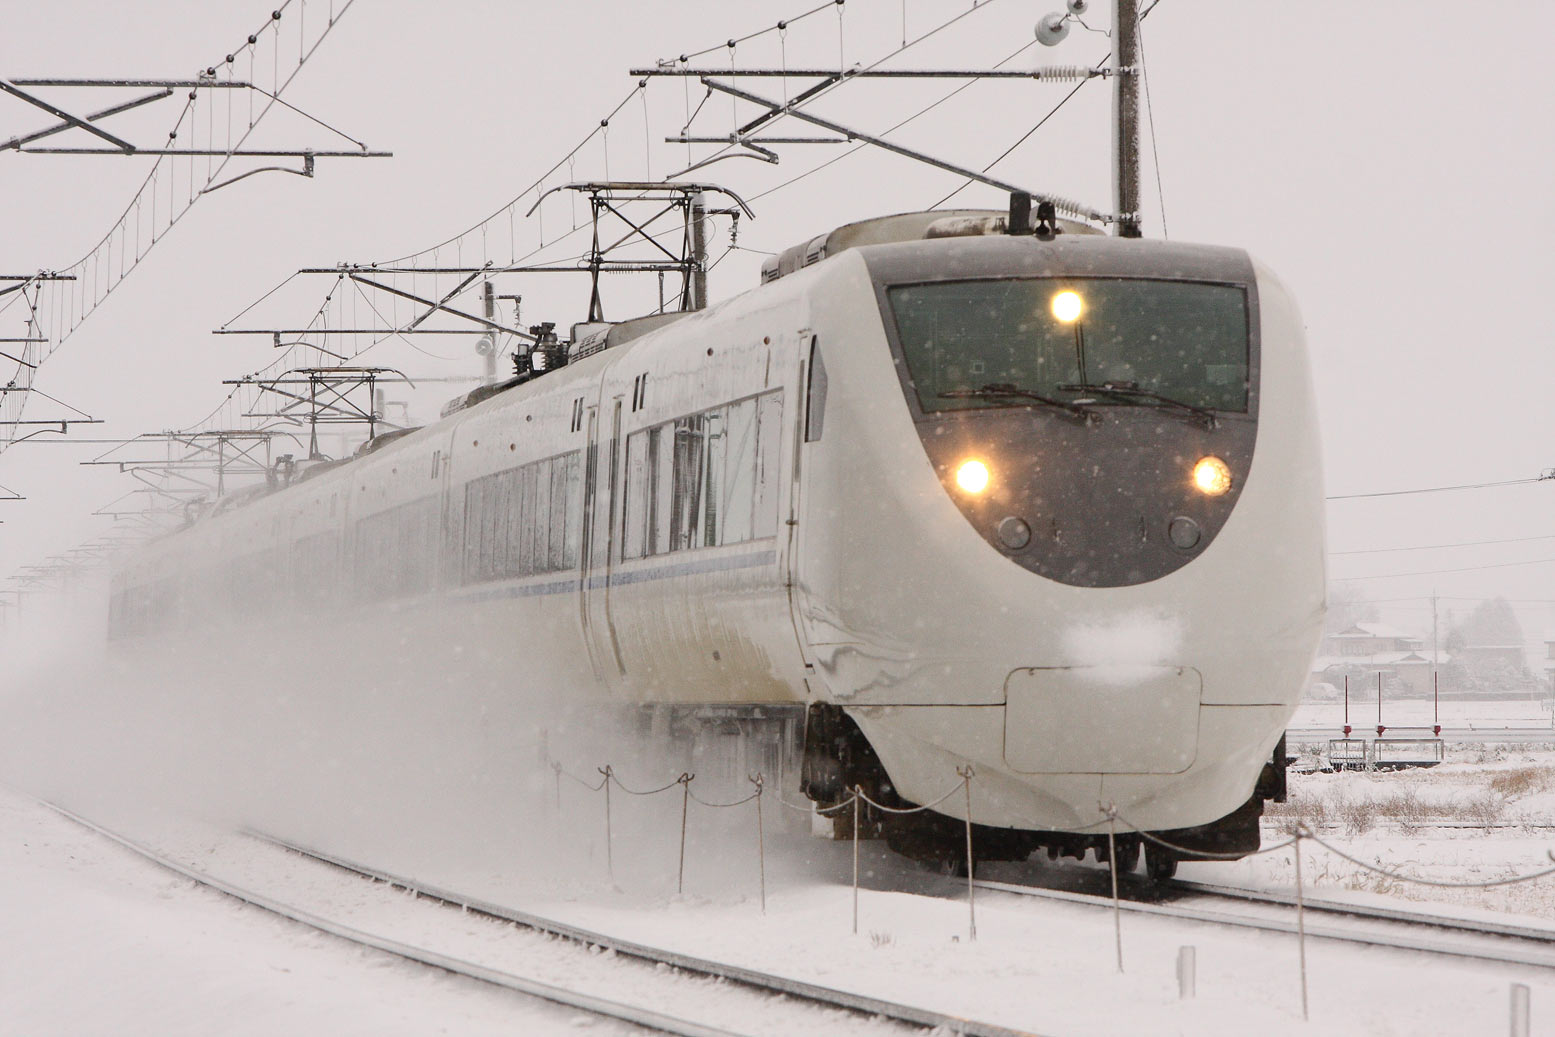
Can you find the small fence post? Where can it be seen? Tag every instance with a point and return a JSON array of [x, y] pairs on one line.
[[685, 804], [1522, 1018], [761, 843], [557, 768], [856, 804], [1187, 979], [1112, 867], [971, 903], [610, 868], [1301, 923]]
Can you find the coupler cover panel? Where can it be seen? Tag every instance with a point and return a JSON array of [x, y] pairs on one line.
[[1125, 719]]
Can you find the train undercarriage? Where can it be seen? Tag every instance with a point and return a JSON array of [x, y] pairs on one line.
[[820, 751]]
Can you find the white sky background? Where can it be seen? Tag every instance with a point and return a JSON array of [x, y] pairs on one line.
[[1391, 161]]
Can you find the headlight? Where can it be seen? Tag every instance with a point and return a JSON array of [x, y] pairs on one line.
[[972, 476], [1211, 476], [1067, 306]]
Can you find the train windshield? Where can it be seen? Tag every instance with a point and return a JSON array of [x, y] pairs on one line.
[[1103, 341]]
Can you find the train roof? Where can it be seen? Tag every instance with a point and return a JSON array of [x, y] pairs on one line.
[[899, 227]]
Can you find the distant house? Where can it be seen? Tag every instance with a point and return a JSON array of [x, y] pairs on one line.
[[1365, 649], [1369, 639]]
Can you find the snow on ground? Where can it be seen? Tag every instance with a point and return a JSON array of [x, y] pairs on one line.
[[115, 944], [1407, 821], [96, 940], [101, 941]]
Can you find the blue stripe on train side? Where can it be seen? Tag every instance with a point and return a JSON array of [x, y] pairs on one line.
[[664, 572]]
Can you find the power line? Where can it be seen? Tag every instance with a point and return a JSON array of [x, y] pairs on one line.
[[1537, 602], [1546, 476], [1435, 572], [1434, 547]]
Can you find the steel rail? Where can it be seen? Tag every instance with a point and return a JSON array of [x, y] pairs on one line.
[[1536, 934], [801, 989], [1372, 939], [535, 988]]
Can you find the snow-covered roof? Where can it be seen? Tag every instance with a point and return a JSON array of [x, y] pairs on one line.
[[1375, 630], [1411, 658]]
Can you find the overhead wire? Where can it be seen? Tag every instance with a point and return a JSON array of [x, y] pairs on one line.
[[91, 265], [1043, 121], [778, 27], [920, 112], [848, 76], [1435, 547], [1547, 476], [1155, 155], [1438, 572]]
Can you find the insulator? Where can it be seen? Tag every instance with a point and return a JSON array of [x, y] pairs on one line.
[[1069, 206], [1062, 72]]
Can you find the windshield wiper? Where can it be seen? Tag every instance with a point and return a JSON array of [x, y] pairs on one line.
[[1006, 390], [1132, 391]]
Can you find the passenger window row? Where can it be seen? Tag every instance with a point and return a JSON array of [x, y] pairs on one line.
[[523, 521], [704, 480]]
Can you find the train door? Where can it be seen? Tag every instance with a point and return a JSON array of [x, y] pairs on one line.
[[601, 546]]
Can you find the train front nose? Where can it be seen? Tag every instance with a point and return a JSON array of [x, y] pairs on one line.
[[1095, 430]]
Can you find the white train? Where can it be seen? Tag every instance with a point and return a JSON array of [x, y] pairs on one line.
[[1049, 505]]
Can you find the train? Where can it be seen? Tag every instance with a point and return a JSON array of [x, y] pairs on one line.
[[947, 492]]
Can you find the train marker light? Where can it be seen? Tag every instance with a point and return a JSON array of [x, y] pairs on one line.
[[1211, 476], [972, 476], [1067, 306]]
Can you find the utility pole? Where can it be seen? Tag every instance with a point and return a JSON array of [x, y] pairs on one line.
[[1434, 657], [489, 297], [1125, 117], [697, 217]]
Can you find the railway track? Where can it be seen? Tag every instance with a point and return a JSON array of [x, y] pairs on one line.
[[765, 985], [1395, 928]]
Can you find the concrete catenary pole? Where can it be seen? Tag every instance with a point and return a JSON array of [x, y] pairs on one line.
[[489, 297], [1125, 117], [698, 217]]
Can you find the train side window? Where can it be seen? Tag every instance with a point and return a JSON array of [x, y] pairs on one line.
[[660, 481], [525, 534], [690, 442], [574, 529], [739, 475], [556, 560], [470, 564], [542, 516], [815, 403], [717, 448], [639, 500], [769, 471]]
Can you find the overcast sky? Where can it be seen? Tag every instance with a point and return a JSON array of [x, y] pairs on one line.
[[1391, 161]]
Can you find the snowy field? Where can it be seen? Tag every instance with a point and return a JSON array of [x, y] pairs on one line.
[[99, 941], [1522, 714]]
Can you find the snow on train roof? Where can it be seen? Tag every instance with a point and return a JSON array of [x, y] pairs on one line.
[[899, 227]]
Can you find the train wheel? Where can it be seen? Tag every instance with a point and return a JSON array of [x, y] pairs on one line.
[[1160, 863], [1127, 849]]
